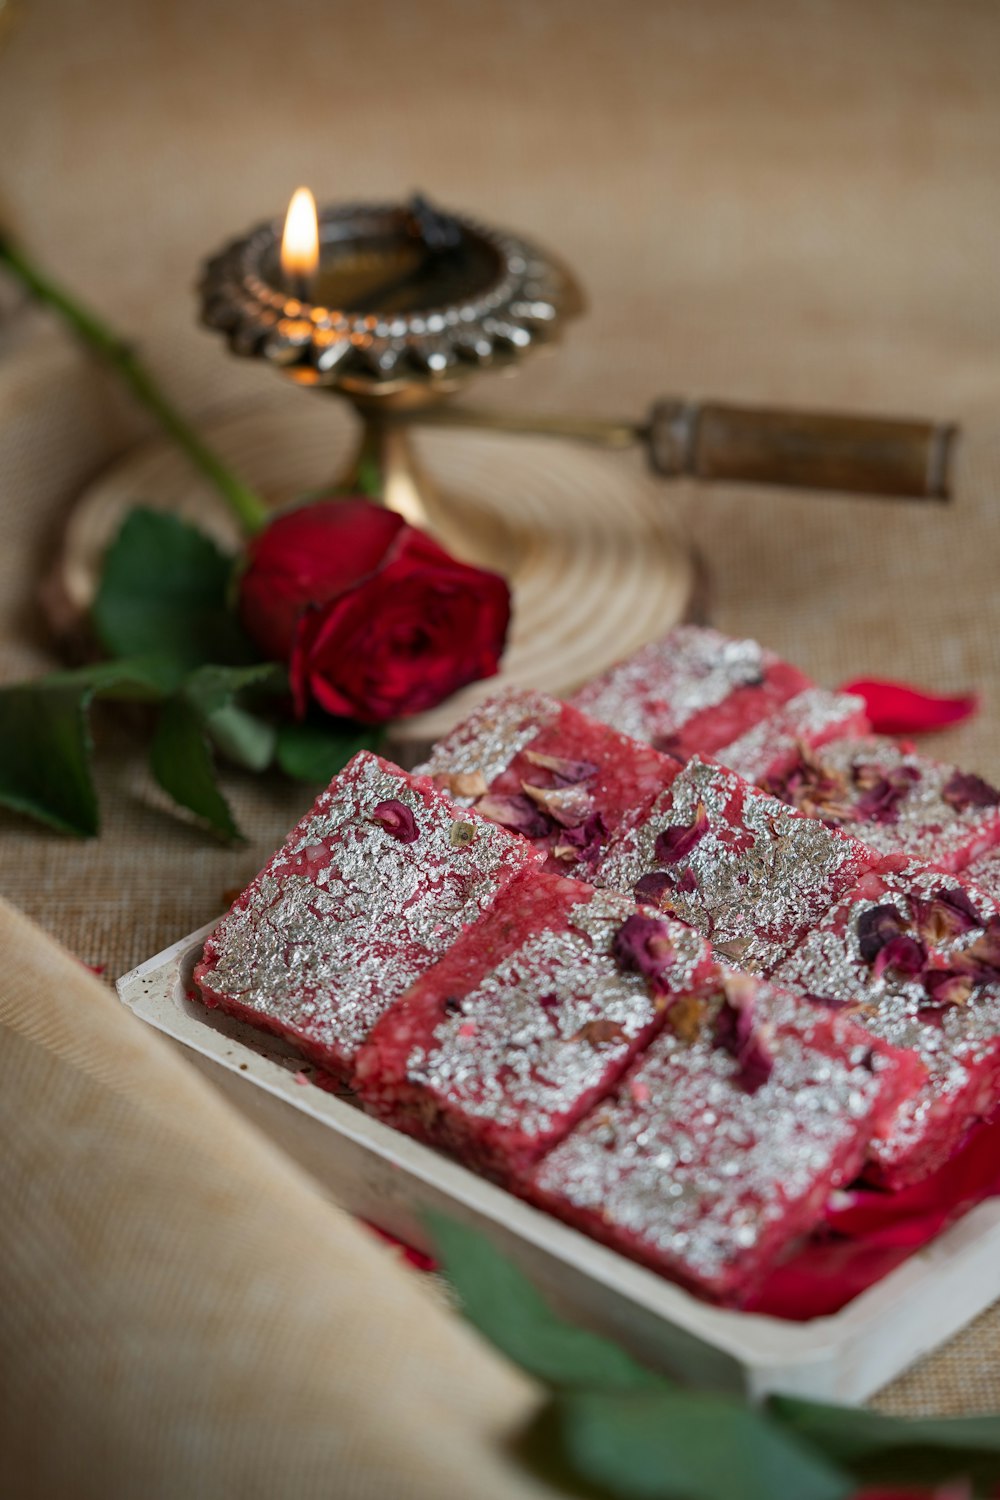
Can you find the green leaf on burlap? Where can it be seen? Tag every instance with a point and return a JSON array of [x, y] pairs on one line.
[[45, 741], [165, 587], [503, 1304], [896, 1449], [182, 762], [315, 750], [206, 710], [222, 697], [673, 1444]]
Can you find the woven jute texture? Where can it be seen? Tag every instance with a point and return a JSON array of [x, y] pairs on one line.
[[783, 202]]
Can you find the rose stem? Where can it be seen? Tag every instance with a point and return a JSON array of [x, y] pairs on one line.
[[244, 502]]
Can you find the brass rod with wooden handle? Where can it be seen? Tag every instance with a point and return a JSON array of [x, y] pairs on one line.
[[753, 445]]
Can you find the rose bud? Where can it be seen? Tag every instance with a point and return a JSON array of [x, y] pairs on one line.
[[374, 619]]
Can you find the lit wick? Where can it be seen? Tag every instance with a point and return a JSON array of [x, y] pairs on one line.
[[300, 246]]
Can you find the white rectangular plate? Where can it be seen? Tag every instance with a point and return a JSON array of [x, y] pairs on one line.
[[390, 1180]]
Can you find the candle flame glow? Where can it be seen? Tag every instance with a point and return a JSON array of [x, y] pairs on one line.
[[300, 240]]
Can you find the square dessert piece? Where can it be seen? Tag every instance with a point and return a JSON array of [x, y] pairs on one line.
[[896, 800], [744, 869], [694, 690], [773, 745], [913, 956], [533, 1015], [372, 886], [545, 770], [726, 1137]]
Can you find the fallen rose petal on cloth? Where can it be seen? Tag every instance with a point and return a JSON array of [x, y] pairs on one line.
[[413, 1257], [897, 708], [870, 1232]]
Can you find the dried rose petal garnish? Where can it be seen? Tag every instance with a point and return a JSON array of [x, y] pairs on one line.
[[397, 819], [652, 888], [602, 1033], [677, 843], [686, 1017], [566, 772], [814, 788], [462, 783], [946, 987], [981, 960], [584, 843], [948, 914], [904, 954], [643, 945], [882, 792], [569, 806], [876, 927], [885, 944], [834, 1002], [737, 1032], [965, 790], [516, 813]]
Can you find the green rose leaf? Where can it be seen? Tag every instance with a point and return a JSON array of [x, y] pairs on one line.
[[181, 760], [207, 710], [676, 1445], [503, 1304], [243, 737], [45, 743], [928, 1451], [316, 750], [45, 757], [165, 588]]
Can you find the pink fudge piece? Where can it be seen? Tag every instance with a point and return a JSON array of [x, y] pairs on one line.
[[748, 872], [913, 955], [705, 1180], [694, 690], [529, 1019], [896, 800], [370, 889], [543, 769], [773, 745]]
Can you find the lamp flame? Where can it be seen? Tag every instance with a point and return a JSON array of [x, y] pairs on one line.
[[300, 240]]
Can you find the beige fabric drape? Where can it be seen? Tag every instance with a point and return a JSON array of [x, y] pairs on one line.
[[182, 1314], [779, 201]]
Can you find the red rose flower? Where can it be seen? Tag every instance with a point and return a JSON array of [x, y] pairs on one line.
[[375, 620]]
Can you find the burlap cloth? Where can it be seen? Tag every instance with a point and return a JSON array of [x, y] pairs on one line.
[[790, 202]]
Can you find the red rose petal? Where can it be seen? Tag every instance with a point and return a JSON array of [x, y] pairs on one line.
[[415, 1258], [896, 708], [870, 1232]]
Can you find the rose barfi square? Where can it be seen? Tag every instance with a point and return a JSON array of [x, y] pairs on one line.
[[726, 1137], [533, 1015], [369, 889], [894, 799], [770, 747], [913, 956], [748, 872], [547, 771], [694, 690]]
